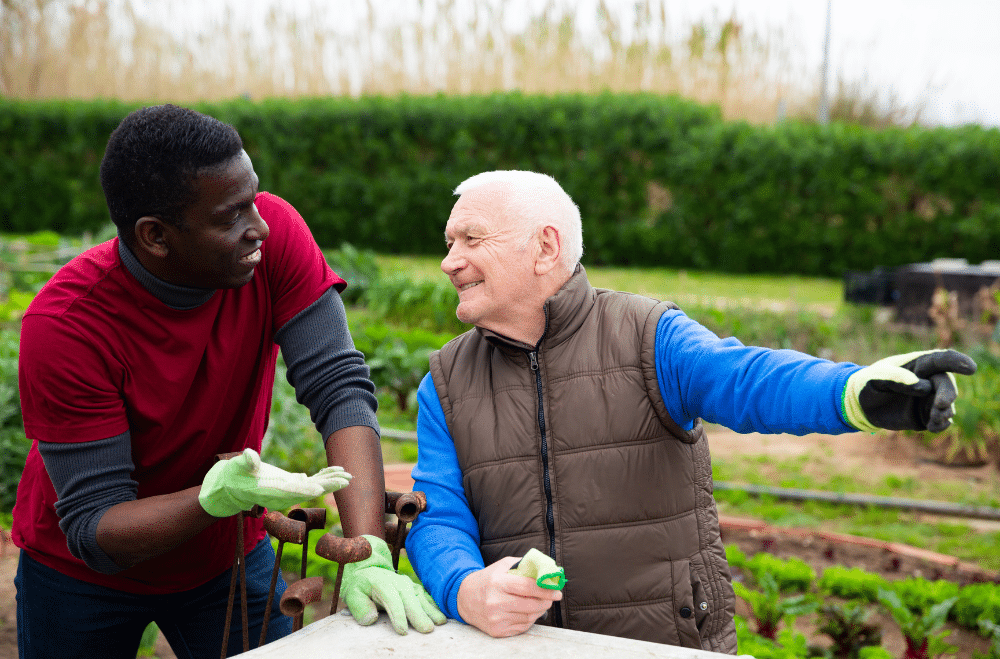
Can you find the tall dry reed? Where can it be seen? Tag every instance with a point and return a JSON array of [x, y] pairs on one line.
[[106, 49]]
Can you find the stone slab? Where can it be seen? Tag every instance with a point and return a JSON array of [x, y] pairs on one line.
[[340, 636]]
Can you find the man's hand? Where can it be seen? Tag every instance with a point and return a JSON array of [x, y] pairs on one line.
[[372, 583], [500, 603], [242, 482], [915, 391]]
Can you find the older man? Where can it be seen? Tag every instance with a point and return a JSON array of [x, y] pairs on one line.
[[569, 421]]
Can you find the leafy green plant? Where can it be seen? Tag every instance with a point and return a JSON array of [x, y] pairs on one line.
[[990, 630], [291, 440], [788, 645], [791, 574], [921, 628], [849, 627], [14, 446], [397, 368], [976, 425], [874, 652], [735, 556], [359, 268], [977, 602], [425, 304], [919, 594], [851, 583], [769, 608]]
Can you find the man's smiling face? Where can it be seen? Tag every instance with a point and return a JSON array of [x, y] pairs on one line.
[[489, 263]]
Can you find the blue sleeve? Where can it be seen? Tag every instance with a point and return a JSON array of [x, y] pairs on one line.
[[745, 388], [443, 544]]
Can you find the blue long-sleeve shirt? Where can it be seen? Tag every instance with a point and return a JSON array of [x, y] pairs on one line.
[[747, 389]]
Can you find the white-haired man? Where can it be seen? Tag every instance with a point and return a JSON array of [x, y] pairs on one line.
[[569, 421]]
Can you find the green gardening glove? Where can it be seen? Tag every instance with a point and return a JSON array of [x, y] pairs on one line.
[[542, 569], [915, 391], [242, 482], [372, 584]]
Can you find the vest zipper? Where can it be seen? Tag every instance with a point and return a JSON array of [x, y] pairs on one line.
[[550, 519]]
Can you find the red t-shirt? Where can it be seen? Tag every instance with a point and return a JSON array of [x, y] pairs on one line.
[[101, 355]]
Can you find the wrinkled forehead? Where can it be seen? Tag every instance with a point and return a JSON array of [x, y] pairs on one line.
[[484, 206]]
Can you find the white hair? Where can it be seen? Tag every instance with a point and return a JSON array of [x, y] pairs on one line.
[[536, 200]]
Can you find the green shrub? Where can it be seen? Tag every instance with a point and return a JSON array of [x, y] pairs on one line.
[[658, 179]]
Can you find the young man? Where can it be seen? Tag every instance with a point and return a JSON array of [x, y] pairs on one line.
[[146, 357], [569, 421]]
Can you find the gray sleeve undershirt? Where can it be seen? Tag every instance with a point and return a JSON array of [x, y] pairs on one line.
[[330, 378], [89, 478], [329, 375]]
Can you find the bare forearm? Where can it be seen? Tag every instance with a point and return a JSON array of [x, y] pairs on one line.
[[362, 503], [134, 531]]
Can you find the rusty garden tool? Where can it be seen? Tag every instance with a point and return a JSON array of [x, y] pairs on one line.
[[406, 507], [293, 528]]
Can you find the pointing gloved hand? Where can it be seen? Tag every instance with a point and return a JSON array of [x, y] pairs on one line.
[[372, 583], [914, 391], [244, 481]]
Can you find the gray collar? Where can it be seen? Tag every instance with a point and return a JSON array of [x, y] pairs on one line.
[[172, 295]]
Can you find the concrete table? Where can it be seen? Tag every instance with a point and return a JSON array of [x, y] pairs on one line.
[[338, 636]]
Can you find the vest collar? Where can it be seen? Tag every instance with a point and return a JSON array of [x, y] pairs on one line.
[[564, 313]]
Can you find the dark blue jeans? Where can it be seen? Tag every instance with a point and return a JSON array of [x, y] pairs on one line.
[[58, 616]]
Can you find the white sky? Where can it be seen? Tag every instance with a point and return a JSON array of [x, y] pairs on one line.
[[941, 55]]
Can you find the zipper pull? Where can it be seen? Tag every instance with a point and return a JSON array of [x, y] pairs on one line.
[[533, 358]]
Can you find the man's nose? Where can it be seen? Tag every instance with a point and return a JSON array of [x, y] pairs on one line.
[[258, 229], [453, 262]]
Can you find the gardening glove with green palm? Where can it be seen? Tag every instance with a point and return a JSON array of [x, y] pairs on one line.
[[372, 583], [541, 569], [242, 482], [914, 391]]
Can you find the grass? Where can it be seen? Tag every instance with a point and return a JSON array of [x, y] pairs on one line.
[[779, 292]]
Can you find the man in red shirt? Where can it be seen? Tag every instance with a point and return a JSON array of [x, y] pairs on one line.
[[148, 355]]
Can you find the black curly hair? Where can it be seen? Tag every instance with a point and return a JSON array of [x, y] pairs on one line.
[[152, 159]]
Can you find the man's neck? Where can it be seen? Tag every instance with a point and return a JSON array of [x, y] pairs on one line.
[[172, 295]]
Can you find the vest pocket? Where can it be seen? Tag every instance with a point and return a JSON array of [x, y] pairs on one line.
[[686, 605]]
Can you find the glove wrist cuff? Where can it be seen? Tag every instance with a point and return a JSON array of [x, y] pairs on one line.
[[851, 408]]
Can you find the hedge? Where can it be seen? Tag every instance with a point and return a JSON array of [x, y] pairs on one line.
[[659, 180]]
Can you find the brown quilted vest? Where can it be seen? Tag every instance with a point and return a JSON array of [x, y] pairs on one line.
[[570, 450]]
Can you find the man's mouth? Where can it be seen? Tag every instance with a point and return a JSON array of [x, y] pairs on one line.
[[465, 287], [253, 258]]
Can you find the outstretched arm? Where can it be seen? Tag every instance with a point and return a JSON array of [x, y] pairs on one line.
[[331, 379]]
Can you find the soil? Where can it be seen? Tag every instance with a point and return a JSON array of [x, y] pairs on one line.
[[873, 456]]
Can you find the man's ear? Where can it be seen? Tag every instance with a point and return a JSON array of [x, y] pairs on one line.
[[549, 249], [150, 236]]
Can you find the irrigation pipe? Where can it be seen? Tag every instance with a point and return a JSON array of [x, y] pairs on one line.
[[792, 494], [916, 505]]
